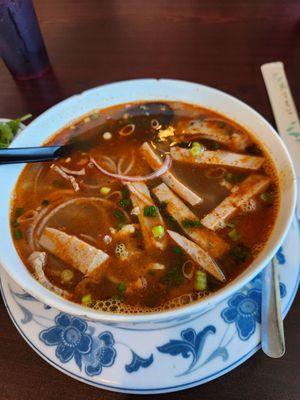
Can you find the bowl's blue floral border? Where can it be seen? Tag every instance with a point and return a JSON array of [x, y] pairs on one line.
[[75, 339]]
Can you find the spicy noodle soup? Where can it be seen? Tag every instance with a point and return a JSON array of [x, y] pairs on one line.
[[158, 205]]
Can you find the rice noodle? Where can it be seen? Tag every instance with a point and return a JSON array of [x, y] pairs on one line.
[[188, 269], [91, 186], [126, 178], [39, 225], [36, 178], [129, 166], [69, 178], [73, 172], [59, 194], [110, 163]]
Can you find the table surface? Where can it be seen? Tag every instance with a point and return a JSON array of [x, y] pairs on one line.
[[217, 43]]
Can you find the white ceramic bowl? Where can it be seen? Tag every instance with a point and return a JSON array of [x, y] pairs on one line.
[[138, 90]]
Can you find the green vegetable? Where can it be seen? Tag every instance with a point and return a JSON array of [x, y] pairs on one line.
[[240, 252], [18, 234], [172, 221], [105, 190], [200, 280], [9, 129], [158, 231], [231, 224], [19, 211], [45, 202], [125, 203], [196, 149], [173, 276], [125, 192], [233, 178], [15, 223], [177, 250], [189, 223], [234, 234], [67, 275], [86, 299], [119, 215], [150, 211], [121, 289]]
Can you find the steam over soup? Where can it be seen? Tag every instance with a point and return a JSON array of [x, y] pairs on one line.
[[159, 205]]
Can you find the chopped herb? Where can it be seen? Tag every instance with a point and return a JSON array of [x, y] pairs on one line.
[[18, 234], [231, 224], [240, 252], [196, 149], [15, 223], [86, 299], [121, 290], [233, 178], [200, 280], [9, 129], [19, 211], [171, 221], [105, 190], [189, 223], [150, 211], [158, 231], [177, 250], [45, 202], [234, 234], [119, 215], [125, 203], [164, 205], [173, 276], [125, 192]]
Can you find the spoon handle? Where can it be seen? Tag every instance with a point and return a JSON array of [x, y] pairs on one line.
[[29, 154], [272, 340]]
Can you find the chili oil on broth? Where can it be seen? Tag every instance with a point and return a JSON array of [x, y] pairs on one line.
[[129, 285]]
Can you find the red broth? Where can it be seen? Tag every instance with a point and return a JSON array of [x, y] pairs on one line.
[[138, 267]]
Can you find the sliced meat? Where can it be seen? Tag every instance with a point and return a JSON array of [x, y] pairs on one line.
[[207, 239], [216, 130], [170, 179], [140, 197], [219, 158], [198, 255], [250, 187], [37, 261], [75, 252]]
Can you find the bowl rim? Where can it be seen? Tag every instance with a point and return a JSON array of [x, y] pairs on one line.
[[37, 290]]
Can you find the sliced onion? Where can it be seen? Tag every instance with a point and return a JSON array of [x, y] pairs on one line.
[[127, 130], [73, 172], [111, 163], [162, 170], [69, 178], [188, 269], [129, 166]]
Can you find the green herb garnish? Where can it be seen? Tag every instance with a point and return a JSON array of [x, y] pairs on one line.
[[125, 203], [45, 202], [18, 234], [233, 178], [9, 129], [177, 250], [240, 252], [173, 277], [200, 280], [158, 231], [119, 215], [231, 224], [121, 290], [234, 234], [189, 223], [150, 211]]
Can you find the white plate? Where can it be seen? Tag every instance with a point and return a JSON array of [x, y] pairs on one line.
[[152, 360]]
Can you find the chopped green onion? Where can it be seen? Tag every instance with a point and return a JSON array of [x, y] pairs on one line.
[[121, 289], [195, 151], [164, 204], [233, 178], [240, 252], [19, 211], [171, 221], [189, 223], [67, 275], [18, 234], [15, 223], [231, 224], [234, 234], [200, 280], [125, 203], [150, 211], [197, 144], [177, 250], [125, 192], [158, 231], [45, 202], [86, 299], [118, 214], [105, 190]]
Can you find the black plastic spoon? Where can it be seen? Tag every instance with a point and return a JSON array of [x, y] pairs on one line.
[[35, 154]]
